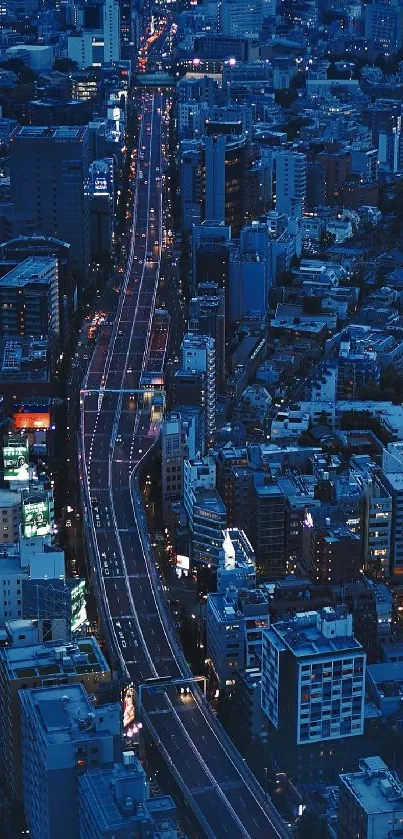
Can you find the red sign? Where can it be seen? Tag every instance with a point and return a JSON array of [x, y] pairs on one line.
[[31, 421]]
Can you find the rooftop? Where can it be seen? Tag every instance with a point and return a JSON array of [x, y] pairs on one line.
[[33, 269], [53, 659], [306, 633], [118, 796], [377, 789]]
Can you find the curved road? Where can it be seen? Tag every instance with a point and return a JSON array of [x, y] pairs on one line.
[[116, 435]]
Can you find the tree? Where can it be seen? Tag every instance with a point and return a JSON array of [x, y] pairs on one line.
[[310, 826], [64, 65]]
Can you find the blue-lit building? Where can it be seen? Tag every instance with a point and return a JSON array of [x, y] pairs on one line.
[[115, 802], [63, 734], [25, 662]]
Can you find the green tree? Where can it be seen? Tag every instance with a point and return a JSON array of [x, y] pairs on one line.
[[310, 826], [64, 65]]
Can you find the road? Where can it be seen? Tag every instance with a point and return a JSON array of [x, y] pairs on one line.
[[117, 432]]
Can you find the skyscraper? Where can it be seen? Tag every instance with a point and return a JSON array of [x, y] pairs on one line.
[[111, 20], [48, 170], [224, 156]]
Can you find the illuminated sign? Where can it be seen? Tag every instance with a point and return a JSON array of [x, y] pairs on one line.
[[35, 518], [182, 562], [16, 460], [32, 421]]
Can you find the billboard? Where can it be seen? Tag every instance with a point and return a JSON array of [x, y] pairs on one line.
[[16, 460], [32, 421], [129, 714], [35, 518]]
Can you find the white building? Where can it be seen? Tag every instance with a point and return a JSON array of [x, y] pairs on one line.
[[289, 425], [290, 181], [313, 677]]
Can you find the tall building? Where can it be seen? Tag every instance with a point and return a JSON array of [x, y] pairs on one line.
[[111, 23], [235, 624], [210, 254], [290, 182], [62, 735], [174, 449], [251, 273], [27, 663], [48, 171], [24, 246], [198, 355], [313, 678], [29, 299], [383, 24], [205, 510], [238, 18], [207, 317], [268, 530], [115, 802], [102, 207], [331, 551], [370, 802], [224, 196]]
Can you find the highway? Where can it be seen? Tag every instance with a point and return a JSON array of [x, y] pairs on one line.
[[117, 432]]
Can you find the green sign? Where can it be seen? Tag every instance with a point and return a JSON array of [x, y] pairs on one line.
[[35, 518], [16, 460]]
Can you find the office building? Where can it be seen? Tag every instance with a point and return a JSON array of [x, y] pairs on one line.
[[205, 511], [370, 801], [27, 663], [235, 623], [290, 182], [224, 162], [251, 273], [383, 25], [48, 169], [62, 735], [238, 18], [116, 802], [111, 24], [210, 254], [313, 678], [198, 356], [29, 299]]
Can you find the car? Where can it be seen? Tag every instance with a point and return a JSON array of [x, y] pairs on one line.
[[68, 522]]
